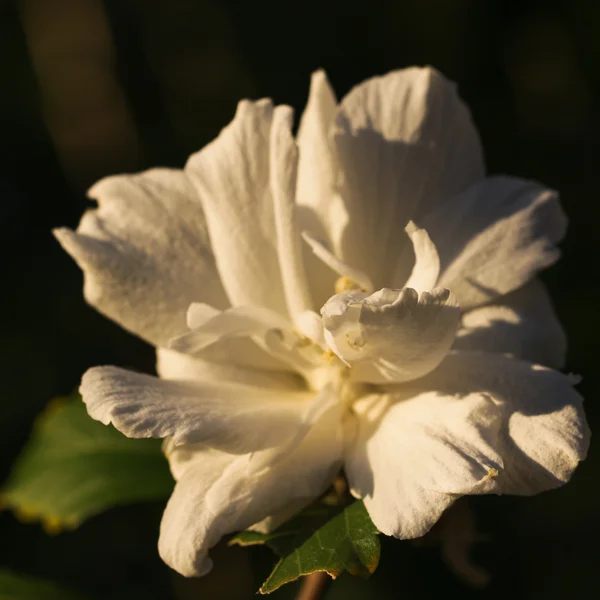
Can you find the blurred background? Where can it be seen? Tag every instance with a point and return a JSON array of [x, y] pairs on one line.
[[94, 87]]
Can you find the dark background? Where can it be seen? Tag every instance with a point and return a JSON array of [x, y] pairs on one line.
[[91, 87]]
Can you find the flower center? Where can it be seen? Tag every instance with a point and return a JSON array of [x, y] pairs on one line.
[[336, 375], [350, 391]]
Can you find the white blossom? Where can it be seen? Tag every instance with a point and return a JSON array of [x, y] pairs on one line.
[[360, 297]]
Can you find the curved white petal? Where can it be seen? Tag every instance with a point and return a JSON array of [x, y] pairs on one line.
[[232, 417], [391, 335], [426, 267], [196, 469], [222, 337], [214, 497], [320, 209], [232, 178], [293, 351], [414, 454], [241, 352], [284, 164], [522, 323], [182, 456], [199, 313], [544, 433], [480, 423], [405, 142], [218, 337], [212, 327], [495, 237], [317, 169], [310, 325], [183, 367], [145, 252]]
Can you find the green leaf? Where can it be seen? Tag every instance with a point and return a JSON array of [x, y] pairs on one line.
[[15, 586], [292, 533], [346, 542], [74, 467]]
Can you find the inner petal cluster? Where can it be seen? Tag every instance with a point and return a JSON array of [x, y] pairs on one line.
[[391, 335]]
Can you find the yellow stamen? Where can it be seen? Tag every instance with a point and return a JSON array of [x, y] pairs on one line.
[[345, 284], [329, 356], [303, 341], [491, 474]]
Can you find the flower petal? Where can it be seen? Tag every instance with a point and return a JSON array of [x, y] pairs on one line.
[[317, 169], [196, 471], [232, 417], [480, 423], [232, 178], [320, 210], [426, 267], [391, 335], [405, 143], [183, 367], [212, 500], [237, 336], [522, 323], [211, 327], [241, 352], [223, 346], [145, 253], [545, 433], [415, 454], [284, 163], [495, 237], [310, 325]]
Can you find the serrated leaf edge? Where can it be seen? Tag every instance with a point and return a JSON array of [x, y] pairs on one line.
[[334, 574]]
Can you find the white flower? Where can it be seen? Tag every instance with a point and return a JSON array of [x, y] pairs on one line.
[[420, 376]]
